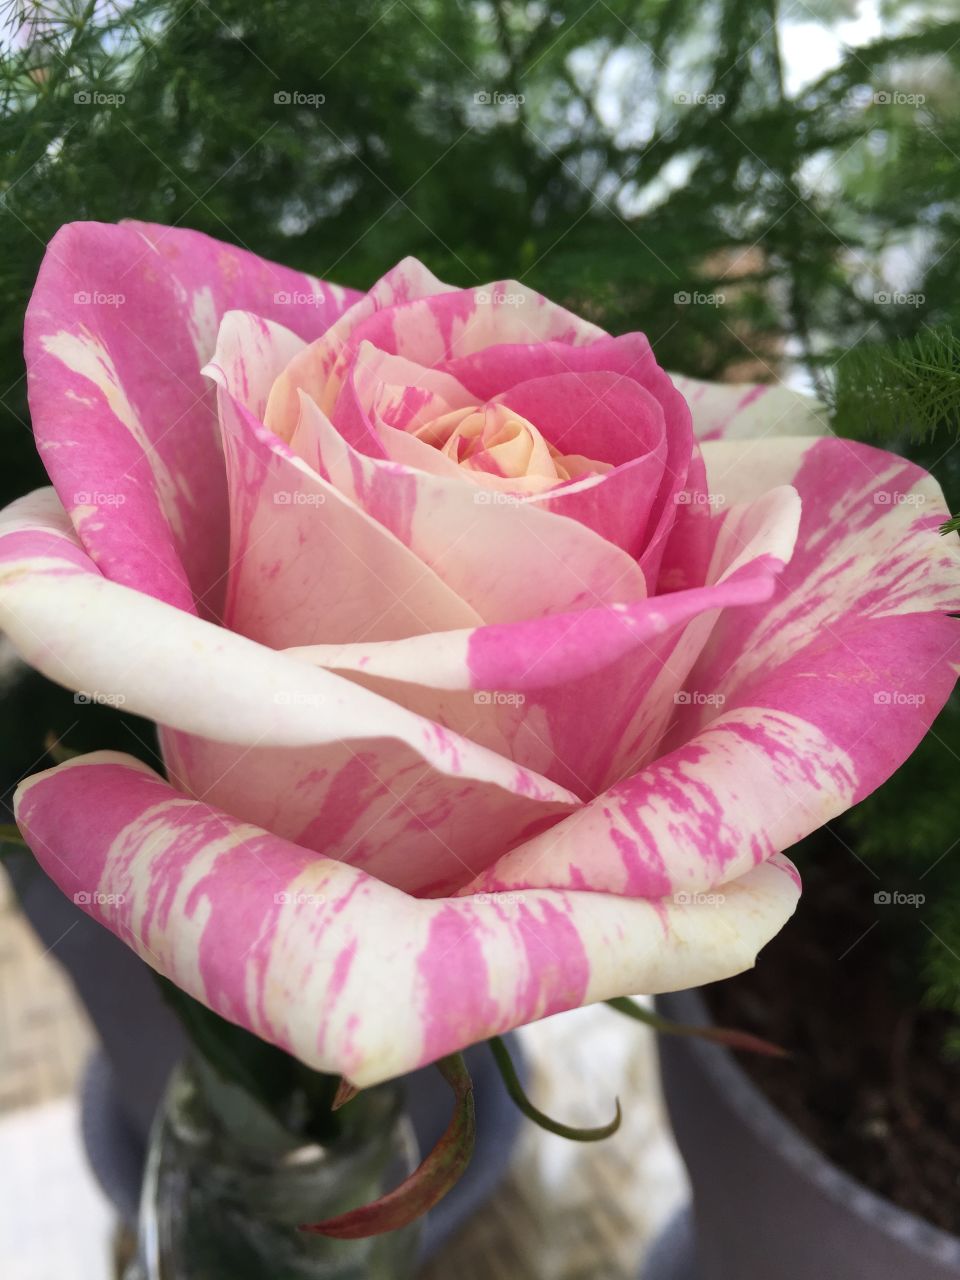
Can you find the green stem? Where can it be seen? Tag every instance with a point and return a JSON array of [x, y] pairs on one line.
[[719, 1035], [507, 1070]]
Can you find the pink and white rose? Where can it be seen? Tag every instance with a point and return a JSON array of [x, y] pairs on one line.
[[494, 668]]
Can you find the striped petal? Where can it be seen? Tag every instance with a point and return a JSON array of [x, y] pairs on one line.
[[350, 975], [319, 370], [750, 410], [264, 733], [187, 673], [121, 321], [307, 563], [537, 690], [751, 544], [796, 709], [507, 559]]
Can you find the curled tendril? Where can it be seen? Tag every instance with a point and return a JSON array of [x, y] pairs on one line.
[[508, 1071]]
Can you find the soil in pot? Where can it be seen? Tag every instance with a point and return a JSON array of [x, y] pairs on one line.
[[868, 1081]]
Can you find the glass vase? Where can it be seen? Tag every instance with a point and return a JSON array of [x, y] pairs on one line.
[[227, 1187]]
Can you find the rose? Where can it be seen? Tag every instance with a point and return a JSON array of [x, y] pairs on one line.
[[425, 494]]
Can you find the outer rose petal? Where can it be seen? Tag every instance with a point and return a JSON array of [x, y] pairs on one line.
[[797, 709], [182, 671], [121, 320], [750, 410], [350, 975], [305, 751]]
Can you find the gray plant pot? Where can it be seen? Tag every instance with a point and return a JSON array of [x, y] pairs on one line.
[[767, 1205]]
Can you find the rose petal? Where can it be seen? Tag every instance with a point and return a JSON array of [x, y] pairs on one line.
[[608, 417], [165, 664], [750, 410], [752, 543], [306, 563], [124, 423], [250, 355], [507, 559], [495, 370], [351, 975], [796, 709], [318, 371]]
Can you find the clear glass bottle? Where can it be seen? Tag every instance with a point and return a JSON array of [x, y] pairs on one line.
[[227, 1187]]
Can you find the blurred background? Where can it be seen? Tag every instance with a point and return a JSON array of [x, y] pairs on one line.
[[770, 190]]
